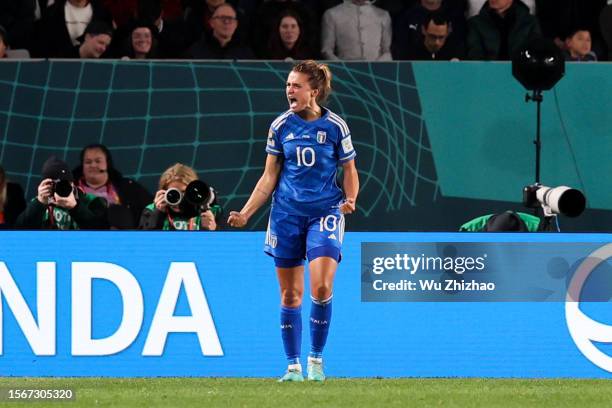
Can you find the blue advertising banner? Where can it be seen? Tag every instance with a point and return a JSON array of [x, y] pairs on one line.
[[207, 304]]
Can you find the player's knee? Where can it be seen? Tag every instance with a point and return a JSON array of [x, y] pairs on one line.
[[321, 292], [291, 297]]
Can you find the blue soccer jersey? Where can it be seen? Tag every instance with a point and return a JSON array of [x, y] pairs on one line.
[[311, 153]]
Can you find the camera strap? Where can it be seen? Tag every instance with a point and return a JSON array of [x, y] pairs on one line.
[[192, 224]]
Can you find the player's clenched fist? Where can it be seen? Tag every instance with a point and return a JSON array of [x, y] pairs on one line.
[[236, 219]]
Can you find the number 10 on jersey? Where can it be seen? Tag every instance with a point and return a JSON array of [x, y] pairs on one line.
[[305, 156]]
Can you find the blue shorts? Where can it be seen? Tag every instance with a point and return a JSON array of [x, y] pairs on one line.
[[291, 237]]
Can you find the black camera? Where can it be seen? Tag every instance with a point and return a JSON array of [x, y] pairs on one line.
[[197, 198], [173, 196], [62, 188]]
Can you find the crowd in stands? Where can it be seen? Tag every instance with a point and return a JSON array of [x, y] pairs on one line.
[[380, 30], [95, 195]]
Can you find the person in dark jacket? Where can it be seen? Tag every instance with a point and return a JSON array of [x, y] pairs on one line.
[[97, 176], [60, 205], [287, 41], [264, 23], [500, 30], [63, 27], [12, 201], [141, 42], [434, 43], [408, 27], [222, 43], [96, 40]]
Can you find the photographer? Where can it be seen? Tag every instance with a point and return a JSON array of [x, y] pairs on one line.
[[60, 205], [174, 208]]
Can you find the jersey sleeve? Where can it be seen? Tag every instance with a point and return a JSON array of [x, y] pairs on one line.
[[344, 147], [273, 145], [273, 142]]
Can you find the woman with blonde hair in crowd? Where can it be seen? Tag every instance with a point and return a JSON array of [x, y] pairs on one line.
[[171, 208]]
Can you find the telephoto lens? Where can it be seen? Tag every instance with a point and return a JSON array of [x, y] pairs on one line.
[[62, 188], [198, 193], [173, 196]]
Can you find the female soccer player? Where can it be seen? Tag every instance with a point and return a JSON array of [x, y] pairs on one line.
[[305, 146]]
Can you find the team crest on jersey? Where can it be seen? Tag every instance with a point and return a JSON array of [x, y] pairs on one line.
[[321, 137], [273, 241]]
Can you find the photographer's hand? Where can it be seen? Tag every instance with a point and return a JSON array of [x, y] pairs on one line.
[[237, 220], [44, 191], [208, 221], [66, 202], [160, 201]]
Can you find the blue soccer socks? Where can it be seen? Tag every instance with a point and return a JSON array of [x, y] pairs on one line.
[[320, 318], [291, 332]]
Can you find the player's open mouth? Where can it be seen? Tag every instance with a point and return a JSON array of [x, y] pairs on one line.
[[292, 102]]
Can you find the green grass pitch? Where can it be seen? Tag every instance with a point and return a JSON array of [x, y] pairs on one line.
[[266, 392]]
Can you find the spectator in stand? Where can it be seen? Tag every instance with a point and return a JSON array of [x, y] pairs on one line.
[[605, 24], [63, 27], [55, 208], [265, 23], [394, 7], [434, 44], [124, 11], [21, 19], [578, 46], [160, 215], [5, 49], [142, 42], [356, 30], [222, 43], [12, 202], [96, 175], [408, 31], [3, 43], [559, 17], [474, 6], [197, 18], [96, 41], [287, 42], [501, 29], [170, 37]]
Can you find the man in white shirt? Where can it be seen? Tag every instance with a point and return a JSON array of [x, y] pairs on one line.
[[356, 30], [78, 15], [63, 25]]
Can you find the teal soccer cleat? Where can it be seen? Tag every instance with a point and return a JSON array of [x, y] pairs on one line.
[[315, 369], [292, 376]]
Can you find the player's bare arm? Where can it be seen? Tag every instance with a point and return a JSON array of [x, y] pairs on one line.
[[261, 193]]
